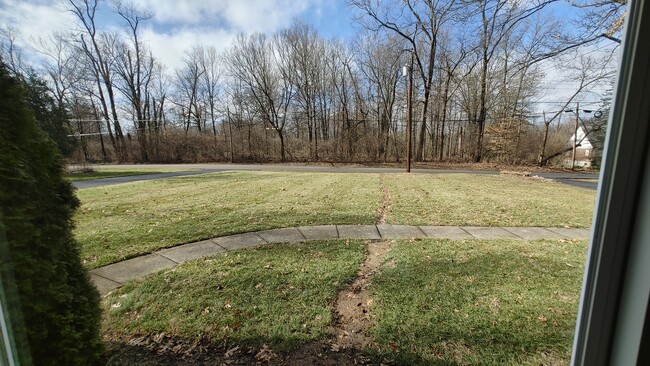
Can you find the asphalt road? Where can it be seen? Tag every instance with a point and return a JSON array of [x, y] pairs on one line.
[[134, 178], [574, 179]]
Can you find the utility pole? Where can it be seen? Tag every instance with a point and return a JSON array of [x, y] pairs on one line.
[[575, 137], [542, 154], [408, 71], [232, 156]]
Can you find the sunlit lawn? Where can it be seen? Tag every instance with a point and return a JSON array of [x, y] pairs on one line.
[[490, 302], [487, 200], [474, 302], [278, 294], [122, 221]]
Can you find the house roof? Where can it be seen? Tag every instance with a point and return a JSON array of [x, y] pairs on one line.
[[583, 140]]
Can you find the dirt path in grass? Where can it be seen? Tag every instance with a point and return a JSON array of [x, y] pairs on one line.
[[386, 206], [352, 319], [349, 334]]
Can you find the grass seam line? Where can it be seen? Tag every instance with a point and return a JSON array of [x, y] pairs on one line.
[[104, 277], [257, 233], [467, 232], [166, 257], [513, 233], [213, 240], [378, 232], [301, 233], [422, 231]]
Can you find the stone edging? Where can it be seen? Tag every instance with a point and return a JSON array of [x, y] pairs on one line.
[[115, 275]]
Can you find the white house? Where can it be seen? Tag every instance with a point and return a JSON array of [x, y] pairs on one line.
[[584, 151]]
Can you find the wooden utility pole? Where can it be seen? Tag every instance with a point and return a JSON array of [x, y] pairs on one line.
[[232, 157], [575, 137], [542, 154], [409, 112]]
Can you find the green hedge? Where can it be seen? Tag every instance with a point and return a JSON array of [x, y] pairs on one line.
[[53, 306]]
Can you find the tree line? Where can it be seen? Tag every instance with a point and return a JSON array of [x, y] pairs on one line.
[[295, 95]]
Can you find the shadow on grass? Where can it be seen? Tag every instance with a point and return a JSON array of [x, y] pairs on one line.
[[183, 352]]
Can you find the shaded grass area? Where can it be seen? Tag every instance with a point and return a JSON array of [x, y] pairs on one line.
[[279, 295], [478, 302], [487, 200], [122, 221], [113, 173]]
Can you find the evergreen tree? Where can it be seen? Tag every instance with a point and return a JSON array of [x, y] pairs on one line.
[[52, 302], [50, 115]]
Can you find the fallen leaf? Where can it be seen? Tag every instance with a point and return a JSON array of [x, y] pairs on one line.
[[231, 352], [265, 354]]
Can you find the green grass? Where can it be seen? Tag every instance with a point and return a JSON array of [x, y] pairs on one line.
[[278, 295], [122, 221], [112, 173], [478, 302], [440, 302], [487, 200]]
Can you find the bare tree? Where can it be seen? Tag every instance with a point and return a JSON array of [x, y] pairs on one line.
[[210, 86], [10, 53], [450, 62], [188, 80], [496, 19], [95, 49], [254, 61], [419, 23], [302, 49], [379, 59], [135, 66], [587, 72]]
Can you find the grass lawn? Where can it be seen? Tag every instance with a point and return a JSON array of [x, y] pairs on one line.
[[277, 294], [479, 302], [121, 221], [112, 173], [487, 200], [489, 302]]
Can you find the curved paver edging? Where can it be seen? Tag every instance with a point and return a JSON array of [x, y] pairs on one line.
[[115, 275]]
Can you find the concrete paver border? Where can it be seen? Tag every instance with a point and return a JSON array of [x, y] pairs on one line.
[[115, 275]]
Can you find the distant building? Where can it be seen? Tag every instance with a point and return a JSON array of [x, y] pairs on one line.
[[584, 151]]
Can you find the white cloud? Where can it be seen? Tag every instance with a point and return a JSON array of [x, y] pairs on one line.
[[239, 15], [35, 19], [176, 25], [170, 47]]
